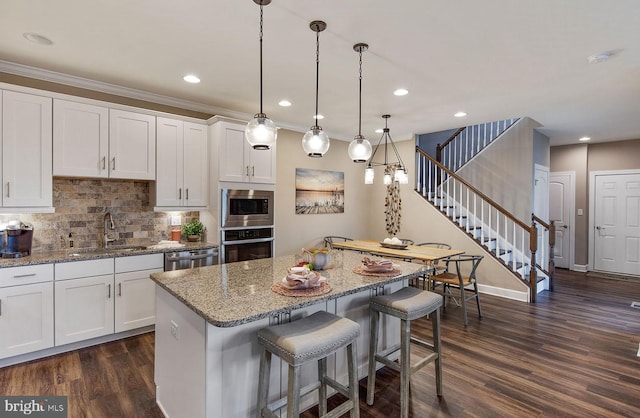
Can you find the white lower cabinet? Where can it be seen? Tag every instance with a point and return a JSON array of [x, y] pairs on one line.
[[84, 308], [135, 301], [26, 318]]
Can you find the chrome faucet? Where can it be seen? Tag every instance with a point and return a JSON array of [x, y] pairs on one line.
[[108, 224]]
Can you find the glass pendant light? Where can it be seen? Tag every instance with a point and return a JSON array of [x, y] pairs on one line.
[[315, 142], [360, 148], [261, 132]]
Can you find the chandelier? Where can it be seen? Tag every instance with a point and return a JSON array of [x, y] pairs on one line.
[[393, 171], [261, 132]]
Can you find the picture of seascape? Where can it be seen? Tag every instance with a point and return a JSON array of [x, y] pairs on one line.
[[319, 191]]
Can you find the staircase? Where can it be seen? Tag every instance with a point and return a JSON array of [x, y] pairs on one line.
[[512, 241]]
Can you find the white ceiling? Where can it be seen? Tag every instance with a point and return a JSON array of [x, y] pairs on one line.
[[492, 59]]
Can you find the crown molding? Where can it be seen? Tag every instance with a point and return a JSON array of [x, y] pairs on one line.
[[131, 93]]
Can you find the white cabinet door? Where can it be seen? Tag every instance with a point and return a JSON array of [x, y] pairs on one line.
[[83, 308], [182, 170], [231, 157], [26, 319], [196, 171], [135, 300], [132, 145], [80, 139], [239, 162], [262, 165], [26, 150], [169, 179]]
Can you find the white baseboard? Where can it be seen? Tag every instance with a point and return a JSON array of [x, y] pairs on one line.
[[581, 267], [504, 293]]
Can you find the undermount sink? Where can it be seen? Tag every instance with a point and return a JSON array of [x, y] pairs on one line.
[[108, 250]]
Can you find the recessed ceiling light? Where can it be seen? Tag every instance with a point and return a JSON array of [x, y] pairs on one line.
[[37, 39], [460, 114], [284, 103], [190, 78], [318, 117], [401, 92], [584, 139]]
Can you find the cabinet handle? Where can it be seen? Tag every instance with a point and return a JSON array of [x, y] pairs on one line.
[[180, 193], [109, 291], [20, 276], [187, 193], [104, 163], [8, 188], [113, 164], [247, 170], [0, 307], [119, 289], [253, 171]]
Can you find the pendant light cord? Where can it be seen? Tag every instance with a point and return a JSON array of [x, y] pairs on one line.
[[261, 59], [360, 100], [317, 70]]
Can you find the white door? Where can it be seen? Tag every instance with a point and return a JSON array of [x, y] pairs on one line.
[[132, 145], [83, 308], [169, 179], [232, 163], [26, 318], [135, 300], [561, 203], [617, 223], [196, 168], [26, 150]]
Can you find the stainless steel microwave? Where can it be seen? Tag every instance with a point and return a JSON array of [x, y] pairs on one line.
[[247, 208]]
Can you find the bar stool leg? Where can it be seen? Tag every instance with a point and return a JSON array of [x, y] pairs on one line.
[[322, 391], [263, 380], [293, 393], [353, 380], [435, 323], [405, 366], [373, 345]]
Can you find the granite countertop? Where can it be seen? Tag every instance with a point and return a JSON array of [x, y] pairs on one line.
[[233, 294], [80, 254]]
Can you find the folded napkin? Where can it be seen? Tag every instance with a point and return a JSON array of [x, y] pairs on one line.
[[376, 265], [301, 278]]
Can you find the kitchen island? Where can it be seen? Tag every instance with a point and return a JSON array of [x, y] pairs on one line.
[[207, 319]]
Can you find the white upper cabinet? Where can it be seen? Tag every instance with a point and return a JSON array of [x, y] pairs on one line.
[[132, 145], [26, 150], [238, 161], [182, 170], [80, 139], [98, 142]]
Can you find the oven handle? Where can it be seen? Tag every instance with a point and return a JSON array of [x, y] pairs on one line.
[[247, 241]]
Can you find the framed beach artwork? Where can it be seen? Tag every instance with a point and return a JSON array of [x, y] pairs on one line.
[[319, 191]]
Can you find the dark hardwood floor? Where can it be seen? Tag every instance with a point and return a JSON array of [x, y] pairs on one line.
[[572, 354]]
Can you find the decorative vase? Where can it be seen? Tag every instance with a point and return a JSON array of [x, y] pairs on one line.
[[193, 238], [319, 259]]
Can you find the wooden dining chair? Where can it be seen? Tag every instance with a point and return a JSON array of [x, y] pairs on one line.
[[437, 267], [460, 274]]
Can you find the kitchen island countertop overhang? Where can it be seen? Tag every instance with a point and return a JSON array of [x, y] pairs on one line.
[[234, 294]]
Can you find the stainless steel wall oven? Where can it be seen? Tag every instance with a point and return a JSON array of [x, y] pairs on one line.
[[246, 224]]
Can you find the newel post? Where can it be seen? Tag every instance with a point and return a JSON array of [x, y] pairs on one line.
[[552, 255], [533, 246]]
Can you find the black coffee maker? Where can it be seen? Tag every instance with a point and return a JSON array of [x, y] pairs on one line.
[[19, 237]]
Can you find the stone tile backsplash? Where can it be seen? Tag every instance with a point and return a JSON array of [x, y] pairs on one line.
[[80, 205]]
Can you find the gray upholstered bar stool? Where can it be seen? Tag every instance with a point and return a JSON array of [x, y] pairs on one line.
[[407, 304], [312, 338]]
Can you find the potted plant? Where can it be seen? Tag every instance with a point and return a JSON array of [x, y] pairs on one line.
[[193, 229]]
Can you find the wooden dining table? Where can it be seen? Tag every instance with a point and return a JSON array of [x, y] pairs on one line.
[[425, 254]]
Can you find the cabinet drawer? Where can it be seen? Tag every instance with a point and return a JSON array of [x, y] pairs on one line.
[[140, 262], [13, 276], [87, 268]]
